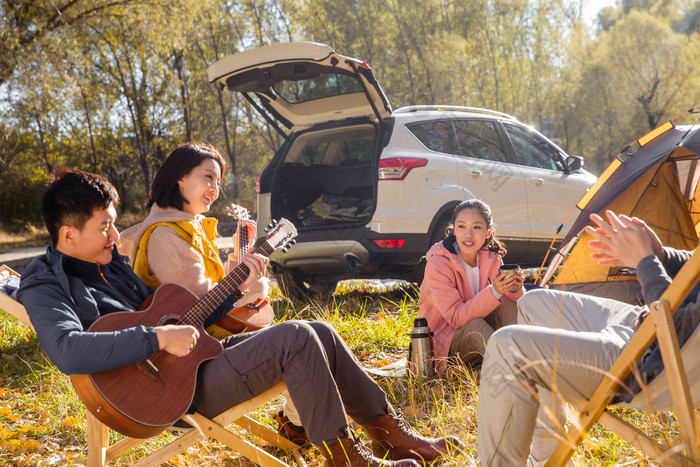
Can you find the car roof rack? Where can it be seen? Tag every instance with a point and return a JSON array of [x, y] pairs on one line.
[[452, 108]]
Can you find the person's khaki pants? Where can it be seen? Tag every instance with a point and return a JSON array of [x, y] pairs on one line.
[[469, 341], [561, 352]]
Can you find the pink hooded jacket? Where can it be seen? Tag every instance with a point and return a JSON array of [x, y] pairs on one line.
[[446, 298]]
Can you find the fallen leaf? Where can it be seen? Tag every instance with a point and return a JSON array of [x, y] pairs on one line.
[[71, 421]]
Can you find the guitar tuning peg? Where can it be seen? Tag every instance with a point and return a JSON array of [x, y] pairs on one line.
[[284, 250], [266, 229], [274, 222], [293, 241], [269, 226]]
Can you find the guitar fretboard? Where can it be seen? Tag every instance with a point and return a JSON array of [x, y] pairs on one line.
[[243, 245], [196, 315]]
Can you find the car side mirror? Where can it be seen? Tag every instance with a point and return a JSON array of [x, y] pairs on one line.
[[574, 163]]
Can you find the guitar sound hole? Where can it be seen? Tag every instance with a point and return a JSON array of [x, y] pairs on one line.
[[170, 319]]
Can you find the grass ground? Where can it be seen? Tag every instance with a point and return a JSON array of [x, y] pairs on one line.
[[42, 421]]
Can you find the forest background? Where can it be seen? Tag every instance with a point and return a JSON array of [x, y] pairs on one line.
[[112, 86]]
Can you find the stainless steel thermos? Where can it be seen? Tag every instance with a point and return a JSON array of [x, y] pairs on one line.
[[420, 349]]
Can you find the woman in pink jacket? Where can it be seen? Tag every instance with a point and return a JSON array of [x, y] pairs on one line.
[[463, 295]]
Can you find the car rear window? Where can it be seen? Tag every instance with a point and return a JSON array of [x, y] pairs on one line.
[[434, 135], [479, 139], [333, 148], [317, 87]]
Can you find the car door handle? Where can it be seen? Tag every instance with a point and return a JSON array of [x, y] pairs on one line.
[[477, 172], [537, 181]]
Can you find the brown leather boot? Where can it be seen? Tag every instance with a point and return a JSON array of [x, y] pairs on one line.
[[393, 437], [290, 431], [350, 452]]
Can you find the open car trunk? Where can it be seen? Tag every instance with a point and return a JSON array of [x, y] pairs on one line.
[[334, 117], [327, 177]]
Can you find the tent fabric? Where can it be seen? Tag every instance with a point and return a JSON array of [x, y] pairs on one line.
[[627, 174], [657, 183], [692, 141], [688, 177], [664, 208], [672, 223]]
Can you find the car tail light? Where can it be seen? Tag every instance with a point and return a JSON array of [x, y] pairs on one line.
[[390, 242], [396, 168], [359, 62], [257, 184]]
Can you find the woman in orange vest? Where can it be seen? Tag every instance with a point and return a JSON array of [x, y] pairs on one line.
[[176, 242]]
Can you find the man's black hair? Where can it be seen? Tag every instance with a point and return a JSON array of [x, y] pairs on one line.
[[71, 198]]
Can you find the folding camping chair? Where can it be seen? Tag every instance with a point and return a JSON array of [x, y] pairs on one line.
[[101, 453], [9, 304], [669, 390]]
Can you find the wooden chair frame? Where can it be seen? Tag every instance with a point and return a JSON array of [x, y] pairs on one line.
[[658, 326], [10, 305], [101, 453]]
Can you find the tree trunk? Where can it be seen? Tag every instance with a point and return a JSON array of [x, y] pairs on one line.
[[184, 94]]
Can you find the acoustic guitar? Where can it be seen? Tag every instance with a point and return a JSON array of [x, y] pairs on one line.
[[144, 398], [251, 316]]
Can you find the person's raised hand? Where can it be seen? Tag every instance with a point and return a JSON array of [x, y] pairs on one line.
[[178, 340], [622, 242], [656, 241]]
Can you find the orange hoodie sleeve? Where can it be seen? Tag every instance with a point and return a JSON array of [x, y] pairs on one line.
[[440, 290]]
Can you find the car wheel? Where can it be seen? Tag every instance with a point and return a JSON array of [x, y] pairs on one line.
[[439, 231], [293, 285]]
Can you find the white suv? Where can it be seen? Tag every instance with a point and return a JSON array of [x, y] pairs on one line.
[[370, 189]]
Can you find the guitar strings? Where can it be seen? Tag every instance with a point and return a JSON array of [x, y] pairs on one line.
[[202, 309], [243, 245], [207, 304]]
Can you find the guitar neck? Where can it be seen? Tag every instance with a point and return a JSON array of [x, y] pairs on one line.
[[243, 245], [224, 289]]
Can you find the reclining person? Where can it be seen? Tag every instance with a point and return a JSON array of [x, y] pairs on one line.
[[82, 277], [565, 343]]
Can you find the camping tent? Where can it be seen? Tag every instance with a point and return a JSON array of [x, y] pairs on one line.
[[655, 179]]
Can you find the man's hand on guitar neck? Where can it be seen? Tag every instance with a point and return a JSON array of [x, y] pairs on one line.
[[178, 340], [257, 264]]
